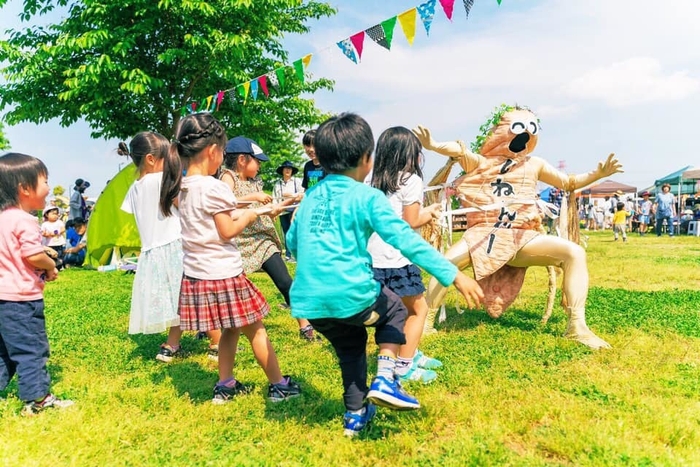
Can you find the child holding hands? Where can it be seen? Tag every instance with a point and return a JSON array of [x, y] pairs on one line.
[[24, 267]]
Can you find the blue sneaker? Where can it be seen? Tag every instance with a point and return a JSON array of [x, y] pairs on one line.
[[354, 423], [390, 394], [419, 374], [423, 361]]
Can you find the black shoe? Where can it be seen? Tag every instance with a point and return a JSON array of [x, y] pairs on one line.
[[281, 392], [223, 393], [166, 353], [213, 352]]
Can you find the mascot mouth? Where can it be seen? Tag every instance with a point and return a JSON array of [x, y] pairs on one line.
[[519, 143]]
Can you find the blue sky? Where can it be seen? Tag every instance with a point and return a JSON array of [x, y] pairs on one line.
[[603, 76]]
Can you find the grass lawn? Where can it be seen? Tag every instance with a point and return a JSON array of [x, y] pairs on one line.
[[512, 392]]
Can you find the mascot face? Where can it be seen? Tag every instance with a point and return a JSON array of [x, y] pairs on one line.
[[514, 137]]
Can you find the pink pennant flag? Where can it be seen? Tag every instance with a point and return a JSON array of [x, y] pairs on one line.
[[263, 85], [219, 99], [448, 6], [358, 40]]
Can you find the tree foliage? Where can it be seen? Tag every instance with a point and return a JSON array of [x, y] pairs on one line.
[[4, 143], [126, 66]]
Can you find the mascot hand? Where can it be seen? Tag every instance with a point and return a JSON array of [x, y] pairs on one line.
[[424, 137], [609, 167]]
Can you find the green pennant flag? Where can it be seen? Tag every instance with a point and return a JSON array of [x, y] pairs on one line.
[[499, 1], [280, 76], [388, 26], [299, 68]]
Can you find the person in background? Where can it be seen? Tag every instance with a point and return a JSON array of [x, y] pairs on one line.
[[665, 209], [76, 243], [258, 243], [620, 221], [313, 170], [644, 213], [285, 188], [77, 201], [24, 269], [54, 232]]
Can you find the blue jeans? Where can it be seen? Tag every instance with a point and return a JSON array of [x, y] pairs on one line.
[[669, 225], [24, 348]]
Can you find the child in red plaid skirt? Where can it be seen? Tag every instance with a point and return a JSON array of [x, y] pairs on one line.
[[215, 292]]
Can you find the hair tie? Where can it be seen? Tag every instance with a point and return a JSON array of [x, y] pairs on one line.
[[175, 140]]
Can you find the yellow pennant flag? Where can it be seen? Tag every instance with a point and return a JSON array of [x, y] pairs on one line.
[[306, 59], [407, 20]]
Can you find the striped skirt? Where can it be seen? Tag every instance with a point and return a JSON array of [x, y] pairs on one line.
[[220, 304]]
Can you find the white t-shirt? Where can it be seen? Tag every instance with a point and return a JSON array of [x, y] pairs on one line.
[[207, 256], [385, 256], [290, 187], [54, 227], [142, 200]]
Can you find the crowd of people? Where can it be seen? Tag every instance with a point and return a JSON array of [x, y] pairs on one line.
[[205, 223]]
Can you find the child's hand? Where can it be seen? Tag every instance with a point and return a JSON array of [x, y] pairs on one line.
[[435, 210], [470, 289], [51, 275], [263, 198]]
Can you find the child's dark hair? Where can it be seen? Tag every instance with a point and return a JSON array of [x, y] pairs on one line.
[[231, 160], [620, 206], [398, 152], [342, 141], [18, 170], [309, 137], [144, 143], [194, 133], [76, 222]]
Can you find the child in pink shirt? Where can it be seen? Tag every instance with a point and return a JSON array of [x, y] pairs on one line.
[[24, 267]]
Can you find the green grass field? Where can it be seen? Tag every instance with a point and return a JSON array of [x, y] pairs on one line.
[[512, 392]]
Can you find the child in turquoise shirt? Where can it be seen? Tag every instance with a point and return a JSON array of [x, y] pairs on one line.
[[334, 287]]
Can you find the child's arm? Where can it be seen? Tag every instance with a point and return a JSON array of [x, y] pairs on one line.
[[42, 262], [230, 225], [260, 196], [416, 216]]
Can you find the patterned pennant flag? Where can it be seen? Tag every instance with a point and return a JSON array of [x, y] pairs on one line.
[[448, 6], [272, 78], [219, 99], [388, 26], [358, 40], [407, 20], [468, 4], [281, 77], [376, 33], [232, 97], [427, 12], [263, 85], [306, 59], [254, 89], [299, 68], [347, 48]]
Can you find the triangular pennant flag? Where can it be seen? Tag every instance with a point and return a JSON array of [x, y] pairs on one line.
[[376, 33], [468, 4], [448, 6], [184, 111], [272, 78], [358, 40], [348, 49], [407, 20], [263, 85], [280, 76], [219, 99], [499, 1], [427, 12], [193, 106], [388, 27], [306, 59], [299, 68], [232, 97], [209, 101], [243, 90], [254, 89]]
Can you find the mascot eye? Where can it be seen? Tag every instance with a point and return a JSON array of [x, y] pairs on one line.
[[517, 128], [534, 128]]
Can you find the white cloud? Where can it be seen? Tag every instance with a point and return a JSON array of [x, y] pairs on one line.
[[633, 81]]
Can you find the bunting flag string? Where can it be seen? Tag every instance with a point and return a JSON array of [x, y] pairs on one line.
[[352, 47]]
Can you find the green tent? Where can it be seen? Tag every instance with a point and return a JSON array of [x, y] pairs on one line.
[[680, 184], [110, 228]]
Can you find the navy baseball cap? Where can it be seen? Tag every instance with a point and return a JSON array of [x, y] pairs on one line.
[[243, 145]]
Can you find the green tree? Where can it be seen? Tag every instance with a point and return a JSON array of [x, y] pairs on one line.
[[4, 143], [128, 66]]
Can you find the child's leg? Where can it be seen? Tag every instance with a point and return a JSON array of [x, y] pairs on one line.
[[278, 272], [263, 351], [417, 308], [227, 352], [7, 366], [174, 334], [350, 345], [26, 347], [214, 336]]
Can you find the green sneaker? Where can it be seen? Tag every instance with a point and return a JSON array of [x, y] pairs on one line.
[[423, 361]]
